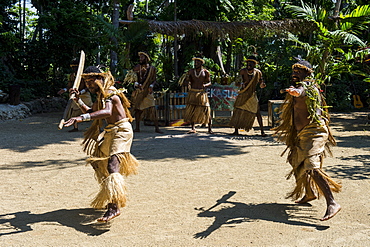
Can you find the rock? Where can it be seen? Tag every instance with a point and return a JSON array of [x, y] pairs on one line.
[[26, 109], [8, 111], [3, 97]]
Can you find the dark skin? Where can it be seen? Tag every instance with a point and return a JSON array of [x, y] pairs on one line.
[[140, 69], [247, 75], [301, 119], [113, 112], [200, 82]]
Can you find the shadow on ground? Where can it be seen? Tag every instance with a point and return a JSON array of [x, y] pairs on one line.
[[57, 164], [350, 121], [35, 132], [82, 220], [175, 143], [354, 141], [353, 171], [233, 213]]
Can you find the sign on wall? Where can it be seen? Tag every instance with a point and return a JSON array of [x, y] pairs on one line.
[[222, 97]]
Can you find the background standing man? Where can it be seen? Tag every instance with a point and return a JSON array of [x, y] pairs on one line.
[[246, 106], [198, 109], [110, 150], [143, 98], [305, 130]]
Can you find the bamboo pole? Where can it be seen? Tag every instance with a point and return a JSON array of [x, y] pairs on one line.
[[171, 105]]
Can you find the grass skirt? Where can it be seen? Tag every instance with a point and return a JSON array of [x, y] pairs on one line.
[[116, 141], [197, 109], [112, 186], [112, 190], [306, 155], [242, 119], [306, 180]]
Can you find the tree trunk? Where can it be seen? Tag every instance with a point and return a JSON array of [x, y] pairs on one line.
[[229, 50], [115, 22], [176, 46], [24, 21], [337, 8]]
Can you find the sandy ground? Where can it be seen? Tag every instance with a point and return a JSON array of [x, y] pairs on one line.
[[192, 190]]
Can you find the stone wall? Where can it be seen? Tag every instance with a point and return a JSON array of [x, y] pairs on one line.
[[26, 109]]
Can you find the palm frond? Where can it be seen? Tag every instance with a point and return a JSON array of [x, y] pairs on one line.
[[107, 27], [228, 6], [323, 29], [348, 38], [360, 11], [357, 20], [305, 12], [135, 31]]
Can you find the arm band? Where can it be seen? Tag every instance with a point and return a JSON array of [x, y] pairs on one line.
[[86, 117]]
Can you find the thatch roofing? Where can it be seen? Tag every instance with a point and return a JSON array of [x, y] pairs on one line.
[[252, 29]]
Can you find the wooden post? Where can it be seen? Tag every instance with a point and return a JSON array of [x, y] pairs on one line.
[[170, 105], [14, 94]]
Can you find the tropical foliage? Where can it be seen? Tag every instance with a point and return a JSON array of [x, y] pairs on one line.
[[335, 46], [37, 44]]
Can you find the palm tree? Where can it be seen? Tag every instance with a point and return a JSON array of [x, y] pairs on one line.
[[337, 39]]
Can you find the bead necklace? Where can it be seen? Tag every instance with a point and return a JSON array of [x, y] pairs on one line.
[[145, 70], [195, 73]]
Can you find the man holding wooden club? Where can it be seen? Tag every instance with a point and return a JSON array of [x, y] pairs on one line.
[[109, 150], [143, 101]]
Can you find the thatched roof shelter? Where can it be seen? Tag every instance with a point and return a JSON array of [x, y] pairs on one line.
[[251, 29]]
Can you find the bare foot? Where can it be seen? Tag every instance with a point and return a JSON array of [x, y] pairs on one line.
[[263, 135], [112, 212], [159, 131], [210, 132], [331, 211], [192, 132], [306, 199]]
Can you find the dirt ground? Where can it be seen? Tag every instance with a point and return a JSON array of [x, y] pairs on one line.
[[192, 190]]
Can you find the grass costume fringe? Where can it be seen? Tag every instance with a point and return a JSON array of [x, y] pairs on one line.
[[246, 104], [131, 77], [115, 140], [308, 147], [139, 97], [198, 109], [112, 189]]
